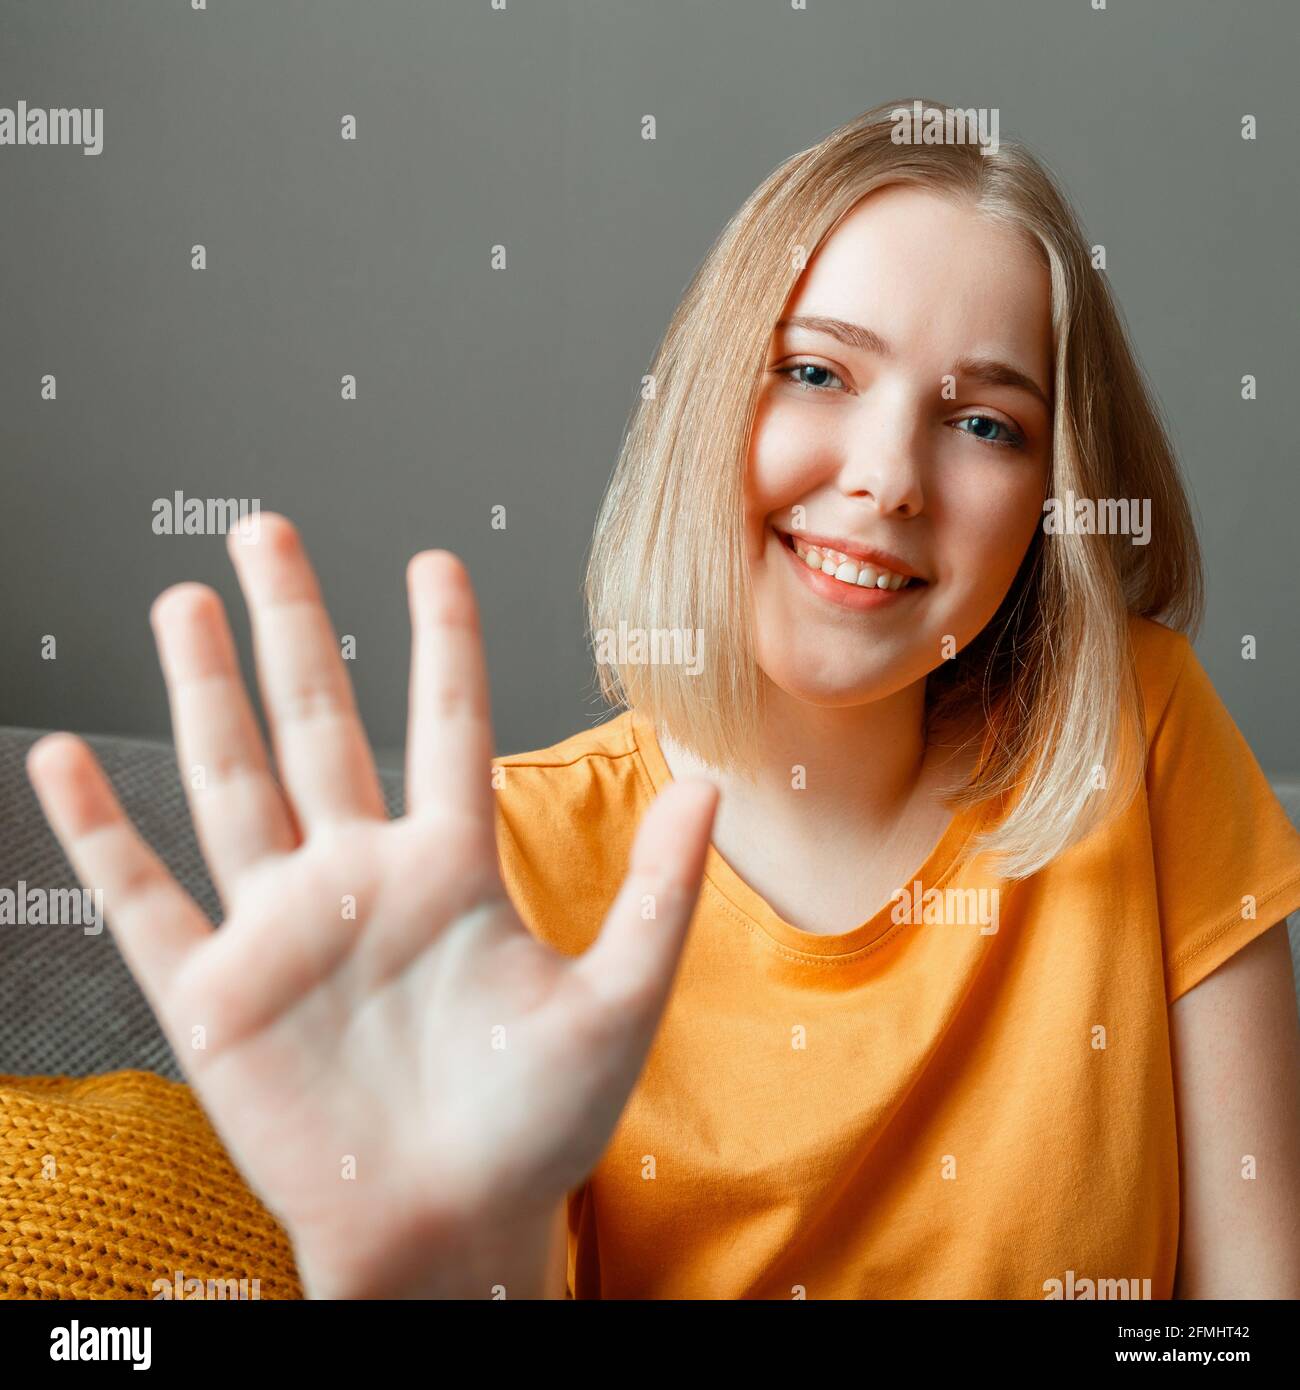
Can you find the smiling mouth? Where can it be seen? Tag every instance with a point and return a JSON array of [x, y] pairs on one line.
[[851, 572]]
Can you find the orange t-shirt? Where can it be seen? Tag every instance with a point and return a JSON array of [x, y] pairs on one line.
[[912, 1110]]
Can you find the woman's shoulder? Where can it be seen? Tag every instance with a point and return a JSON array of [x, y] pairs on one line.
[[566, 818], [610, 740], [595, 769], [1224, 853], [1159, 655], [1159, 650]]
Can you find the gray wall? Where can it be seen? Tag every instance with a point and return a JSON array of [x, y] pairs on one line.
[[479, 387]]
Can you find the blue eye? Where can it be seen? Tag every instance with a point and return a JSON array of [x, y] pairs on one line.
[[808, 367], [982, 427], [1009, 440]]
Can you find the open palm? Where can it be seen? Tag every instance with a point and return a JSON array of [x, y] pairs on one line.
[[404, 1075]]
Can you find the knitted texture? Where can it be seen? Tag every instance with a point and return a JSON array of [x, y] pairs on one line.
[[108, 1183]]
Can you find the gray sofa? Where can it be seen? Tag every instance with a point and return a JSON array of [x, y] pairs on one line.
[[68, 1003]]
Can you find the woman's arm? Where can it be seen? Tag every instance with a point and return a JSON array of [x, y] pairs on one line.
[[1236, 1056]]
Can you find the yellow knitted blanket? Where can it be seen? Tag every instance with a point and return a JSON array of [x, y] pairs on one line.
[[116, 1186]]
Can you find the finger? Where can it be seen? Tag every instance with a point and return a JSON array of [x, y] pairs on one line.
[[320, 747], [449, 741], [240, 815], [631, 964], [154, 921]]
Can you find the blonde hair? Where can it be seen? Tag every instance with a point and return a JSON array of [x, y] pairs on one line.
[[1060, 639]]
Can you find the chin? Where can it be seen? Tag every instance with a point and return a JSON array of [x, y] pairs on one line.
[[835, 690]]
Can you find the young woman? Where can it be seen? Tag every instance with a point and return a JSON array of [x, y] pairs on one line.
[[941, 1025]]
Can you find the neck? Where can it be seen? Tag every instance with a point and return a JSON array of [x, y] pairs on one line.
[[862, 765]]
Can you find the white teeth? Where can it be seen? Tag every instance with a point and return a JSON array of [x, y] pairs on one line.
[[846, 569]]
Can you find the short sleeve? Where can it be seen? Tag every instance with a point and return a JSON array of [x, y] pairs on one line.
[[1227, 858]]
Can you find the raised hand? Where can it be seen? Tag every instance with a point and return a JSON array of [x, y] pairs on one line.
[[406, 1077]]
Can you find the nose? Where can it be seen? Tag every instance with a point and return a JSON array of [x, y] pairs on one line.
[[884, 454]]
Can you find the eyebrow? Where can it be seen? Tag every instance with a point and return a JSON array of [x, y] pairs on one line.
[[988, 370]]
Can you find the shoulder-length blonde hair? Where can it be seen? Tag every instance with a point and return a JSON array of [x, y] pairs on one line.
[[1051, 677]]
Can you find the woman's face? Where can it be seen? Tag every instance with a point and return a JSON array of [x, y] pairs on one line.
[[907, 424]]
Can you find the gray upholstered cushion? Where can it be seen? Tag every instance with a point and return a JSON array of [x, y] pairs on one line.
[[68, 1003]]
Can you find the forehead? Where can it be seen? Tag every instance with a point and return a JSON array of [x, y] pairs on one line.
[[929, 271]]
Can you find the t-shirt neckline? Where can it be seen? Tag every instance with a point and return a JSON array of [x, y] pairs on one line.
[[933, 872]]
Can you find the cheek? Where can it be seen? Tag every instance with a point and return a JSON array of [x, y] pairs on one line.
[[782, 467], [989, 521]]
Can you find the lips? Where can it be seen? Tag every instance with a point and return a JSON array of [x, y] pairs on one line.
[[881, 559], [861, 555], [848, 582]]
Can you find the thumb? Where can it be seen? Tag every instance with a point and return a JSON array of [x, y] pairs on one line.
[[631, 964]]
